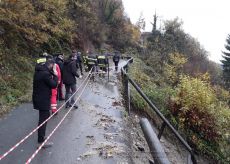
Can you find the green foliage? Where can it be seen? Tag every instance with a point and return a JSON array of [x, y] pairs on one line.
[[204, 118], [226, 63], [15, 81], [195, 93], [159, 95], [174, 67], [197, 109], [160, 44], [28, 28]]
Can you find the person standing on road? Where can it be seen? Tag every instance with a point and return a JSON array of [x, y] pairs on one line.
[[79, 62], [116, 59], [91, 62], [44, 80], [60, 62], [102, 62], [69, 79], [54, 96]]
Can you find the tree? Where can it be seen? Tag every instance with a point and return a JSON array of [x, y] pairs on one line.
[[226, 63], [141, 22]]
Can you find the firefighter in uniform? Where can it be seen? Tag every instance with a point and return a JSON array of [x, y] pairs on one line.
[[102, 62], [84, 57], [92, 64], [42, 59]]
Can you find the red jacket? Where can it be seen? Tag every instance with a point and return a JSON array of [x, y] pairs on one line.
[[54, 91]]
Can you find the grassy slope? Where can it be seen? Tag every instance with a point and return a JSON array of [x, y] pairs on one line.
[[15, 81], [148, 80]]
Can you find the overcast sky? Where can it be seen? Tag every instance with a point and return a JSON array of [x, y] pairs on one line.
[[207, 21]]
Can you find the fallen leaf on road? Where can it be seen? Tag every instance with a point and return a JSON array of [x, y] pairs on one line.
[[139, 147], [105, 122], [106, 118], [88, 154], [116, 103], [110, 135], [107, 150], [91, 140]]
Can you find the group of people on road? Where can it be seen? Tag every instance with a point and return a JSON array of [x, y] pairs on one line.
[[101, 62], [50, 75]]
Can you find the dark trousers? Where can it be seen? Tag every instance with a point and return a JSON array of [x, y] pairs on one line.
[[43, 115], [90, 66], [70, 89], [60, 94], [116, 65], [103, 68], [80, 66]]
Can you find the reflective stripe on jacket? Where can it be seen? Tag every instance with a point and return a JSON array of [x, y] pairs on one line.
[[41, 60]]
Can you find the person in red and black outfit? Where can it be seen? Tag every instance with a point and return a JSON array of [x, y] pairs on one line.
[[43, 82]]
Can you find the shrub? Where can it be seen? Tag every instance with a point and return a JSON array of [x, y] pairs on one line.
[[204, 118]]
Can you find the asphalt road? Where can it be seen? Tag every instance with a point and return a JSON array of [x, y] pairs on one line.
[[94, 133]]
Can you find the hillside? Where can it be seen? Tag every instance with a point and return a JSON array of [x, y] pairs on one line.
[[29, 28]]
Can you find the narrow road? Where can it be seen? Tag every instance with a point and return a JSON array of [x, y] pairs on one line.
[[94, 133]]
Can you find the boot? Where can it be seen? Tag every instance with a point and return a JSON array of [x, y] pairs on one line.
[[46, 145], [54, 110]]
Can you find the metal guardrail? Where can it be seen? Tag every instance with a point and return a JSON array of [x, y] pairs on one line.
[[126, 80]]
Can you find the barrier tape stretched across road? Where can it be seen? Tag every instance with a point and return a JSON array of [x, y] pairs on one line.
[[33, 131], [36, 152]]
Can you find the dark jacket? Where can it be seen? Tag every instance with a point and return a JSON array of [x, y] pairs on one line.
[[116, 58], [78, 62], [60, 63], [70, 72], [102, 60], [79, 59], [44, 80]]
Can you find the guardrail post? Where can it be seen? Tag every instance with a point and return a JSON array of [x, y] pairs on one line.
[[193, 158], [128, 93], [127, 68], [161, 130], [108, 71]]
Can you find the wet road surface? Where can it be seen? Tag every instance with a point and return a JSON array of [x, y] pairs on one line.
[[93, 133]]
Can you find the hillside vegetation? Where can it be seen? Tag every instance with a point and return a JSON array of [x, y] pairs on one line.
[[173, 70], [29, 28]]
